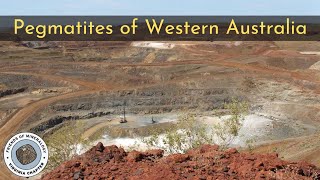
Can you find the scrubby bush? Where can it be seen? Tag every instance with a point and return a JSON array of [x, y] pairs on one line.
[[184, 135], [228, 129], [189, 133], [65, 143]]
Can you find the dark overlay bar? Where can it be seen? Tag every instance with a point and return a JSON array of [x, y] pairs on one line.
[[159, 28]]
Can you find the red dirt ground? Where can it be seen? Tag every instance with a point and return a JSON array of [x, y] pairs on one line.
[[206, 162]]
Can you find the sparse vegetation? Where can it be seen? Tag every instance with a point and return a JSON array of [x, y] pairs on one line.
[[184, 135], [65, 143], [189, 133], [250, 144], [228, 129]]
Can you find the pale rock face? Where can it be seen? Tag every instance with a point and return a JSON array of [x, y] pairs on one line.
[[310, 52], [316, 66], [156, 45]]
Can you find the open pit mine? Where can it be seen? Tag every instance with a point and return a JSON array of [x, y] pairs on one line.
[[117, 94]]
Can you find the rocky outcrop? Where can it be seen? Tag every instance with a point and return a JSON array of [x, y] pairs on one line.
[[39, 44], [9, 92], [206, 162], [60, 119]]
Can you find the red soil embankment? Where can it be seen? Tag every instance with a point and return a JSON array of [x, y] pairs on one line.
[[206, 162]]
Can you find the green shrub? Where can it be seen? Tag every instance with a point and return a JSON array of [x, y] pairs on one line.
[[64, 143], [189, 133]]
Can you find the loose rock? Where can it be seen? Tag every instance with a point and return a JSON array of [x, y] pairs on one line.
[[201, 163]]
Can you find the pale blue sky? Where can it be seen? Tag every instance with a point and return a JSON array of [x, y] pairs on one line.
[[160, 7]]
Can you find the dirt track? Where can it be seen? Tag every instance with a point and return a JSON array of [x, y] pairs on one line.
[[14, 123]]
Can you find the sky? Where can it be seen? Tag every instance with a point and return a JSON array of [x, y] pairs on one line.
[[160, 7]]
